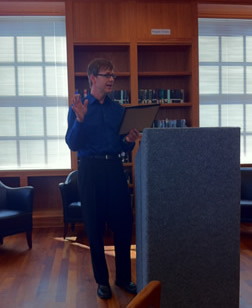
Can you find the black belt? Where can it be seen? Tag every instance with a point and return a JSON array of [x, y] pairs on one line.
[[107, 156]]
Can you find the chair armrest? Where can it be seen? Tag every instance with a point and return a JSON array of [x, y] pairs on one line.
[[246, 203], [64, 195]]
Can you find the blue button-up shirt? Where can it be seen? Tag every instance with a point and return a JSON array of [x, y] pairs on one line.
[[98, 134]]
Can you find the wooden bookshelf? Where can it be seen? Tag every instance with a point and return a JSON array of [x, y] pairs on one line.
[[141, 60]]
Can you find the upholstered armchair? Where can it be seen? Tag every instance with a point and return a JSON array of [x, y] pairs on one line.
[[246, 194], [16, 206], [71, 201]]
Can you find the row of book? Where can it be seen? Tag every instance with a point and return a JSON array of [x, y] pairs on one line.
[[120, 96], [146, 96], [160, 96], [169, 123]]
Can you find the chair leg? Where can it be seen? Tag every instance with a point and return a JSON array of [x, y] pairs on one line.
[[65, 229], [29, 239]]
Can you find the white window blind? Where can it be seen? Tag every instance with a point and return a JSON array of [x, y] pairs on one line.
[[225, 77], [33, 93]]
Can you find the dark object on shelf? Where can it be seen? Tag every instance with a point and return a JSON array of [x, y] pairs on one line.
[[246, 194], [16, 206], [177, 96], [71, 201]]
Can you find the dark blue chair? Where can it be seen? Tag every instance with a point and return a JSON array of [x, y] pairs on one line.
[[71, 201], [246, 194], [16, 207]]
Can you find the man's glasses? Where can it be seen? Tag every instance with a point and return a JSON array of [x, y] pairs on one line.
[[107, 75]]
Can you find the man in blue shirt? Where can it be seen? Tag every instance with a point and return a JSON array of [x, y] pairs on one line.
[[93, 131]]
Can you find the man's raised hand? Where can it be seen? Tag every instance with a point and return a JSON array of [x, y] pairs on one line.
[[79, 108]]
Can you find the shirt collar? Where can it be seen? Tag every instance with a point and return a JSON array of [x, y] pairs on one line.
[[92, 99]]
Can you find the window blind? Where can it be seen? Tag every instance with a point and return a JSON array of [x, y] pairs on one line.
[[33, 93], [225, 77]]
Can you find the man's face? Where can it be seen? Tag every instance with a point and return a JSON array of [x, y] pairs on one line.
[[103, 81]]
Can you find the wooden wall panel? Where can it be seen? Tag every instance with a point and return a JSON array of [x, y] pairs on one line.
[[101, 21], [224, 11], [176, 16], [32, 8], [225, 1], [47, 208]]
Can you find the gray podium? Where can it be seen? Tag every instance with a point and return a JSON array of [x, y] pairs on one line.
[[188, 215]]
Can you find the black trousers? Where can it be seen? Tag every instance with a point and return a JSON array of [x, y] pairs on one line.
[[105, 198]]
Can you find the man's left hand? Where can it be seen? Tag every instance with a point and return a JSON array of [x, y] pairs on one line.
[[133, 135]]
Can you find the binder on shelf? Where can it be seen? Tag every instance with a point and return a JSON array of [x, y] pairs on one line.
[[120, 96], [139, 117]]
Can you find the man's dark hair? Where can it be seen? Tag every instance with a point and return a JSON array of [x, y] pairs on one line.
[[96, 65]]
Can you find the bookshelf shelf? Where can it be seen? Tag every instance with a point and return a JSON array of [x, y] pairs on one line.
[[163, 74], [118, 74], [173, 105], [127, 164]]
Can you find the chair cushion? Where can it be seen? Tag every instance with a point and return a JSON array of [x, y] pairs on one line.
[[8, 213], [246, 202], [12, 222]]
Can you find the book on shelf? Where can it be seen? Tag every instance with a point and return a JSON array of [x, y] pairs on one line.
[[120, 96], [160, 96]]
